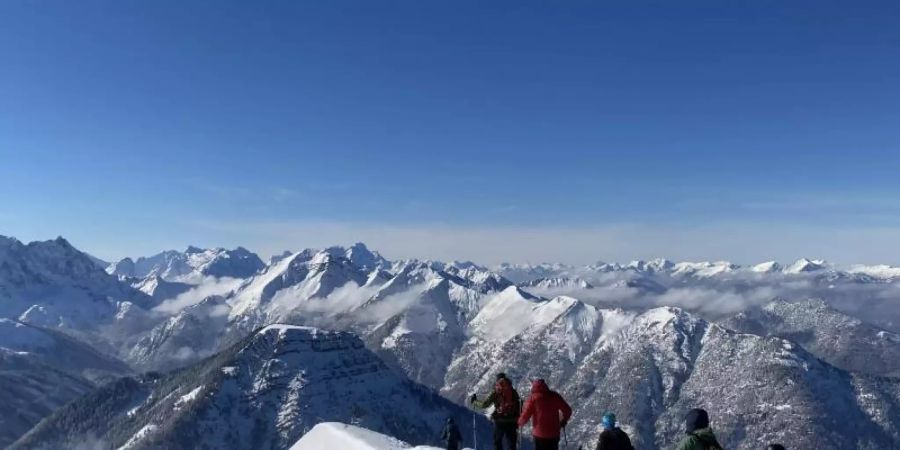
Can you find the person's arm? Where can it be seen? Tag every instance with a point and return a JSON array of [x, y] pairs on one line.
[[527, 412], [565, 409], [484, 404]]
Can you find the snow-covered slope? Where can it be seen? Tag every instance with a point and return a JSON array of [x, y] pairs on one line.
[[265, 392], [52, 284], [191, 265], [523, 273], [335, 435], [422, 328], [31, 391], [703, 269], [296, 279], [880, 271], [805, 265], [558, 283], [766, 267], [838, 338], [191, 334], [41, 370], [160, 289], [652, 367]]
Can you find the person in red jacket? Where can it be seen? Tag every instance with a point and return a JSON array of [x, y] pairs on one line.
[[550, 413]]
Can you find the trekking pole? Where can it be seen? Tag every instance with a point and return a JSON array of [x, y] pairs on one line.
[[565, 439], [474, 430]]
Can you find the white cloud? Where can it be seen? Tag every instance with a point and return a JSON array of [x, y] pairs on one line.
[[206, 287]]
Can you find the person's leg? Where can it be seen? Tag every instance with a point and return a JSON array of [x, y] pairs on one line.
[[498, 436], [546, 443], [512, 436]]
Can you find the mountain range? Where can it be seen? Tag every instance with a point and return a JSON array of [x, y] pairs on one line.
[[190, 344]]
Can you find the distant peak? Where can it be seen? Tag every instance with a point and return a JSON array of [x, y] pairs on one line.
[[61, 240], [806, 265], [191, 250], [766, 267]]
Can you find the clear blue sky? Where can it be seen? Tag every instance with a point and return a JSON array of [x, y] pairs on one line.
[[521, 130]]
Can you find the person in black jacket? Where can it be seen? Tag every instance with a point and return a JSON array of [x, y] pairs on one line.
[[451, 435], [612, 437]]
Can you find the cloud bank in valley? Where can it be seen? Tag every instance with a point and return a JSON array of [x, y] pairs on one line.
[[721, 297]]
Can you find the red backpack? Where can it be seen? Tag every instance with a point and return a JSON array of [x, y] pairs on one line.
[[508, 404]]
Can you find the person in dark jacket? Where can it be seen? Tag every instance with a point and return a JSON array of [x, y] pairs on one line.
[[612, 437], [699, 435], [451, 435], [550, 414], [775, 447], [506, 403]]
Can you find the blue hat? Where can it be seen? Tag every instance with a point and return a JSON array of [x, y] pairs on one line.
[[609, 420]]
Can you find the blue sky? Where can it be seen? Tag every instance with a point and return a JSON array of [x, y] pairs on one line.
[[571, 131]]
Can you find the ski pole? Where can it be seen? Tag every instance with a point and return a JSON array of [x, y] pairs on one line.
[[474, 430], [565, 439]]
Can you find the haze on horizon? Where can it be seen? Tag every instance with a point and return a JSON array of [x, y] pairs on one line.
[[516, 132]]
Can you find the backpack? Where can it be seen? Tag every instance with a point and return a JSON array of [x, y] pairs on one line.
[[714, 445], [507, 404], [622, 440], [614, 439]]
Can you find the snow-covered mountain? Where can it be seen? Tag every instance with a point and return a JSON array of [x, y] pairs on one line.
[[650, 368], [265, 392], [558, 283], [191, 265], [838, 338], [604, 335], [522, 273], [160, 289], [52, 284], [41, 370], [187, 336], [661, 267]]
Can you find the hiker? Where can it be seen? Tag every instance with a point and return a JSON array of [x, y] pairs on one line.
[[451, 435], [699, 435], [775, 447], [546, 407], [612, 437], [506, 403]]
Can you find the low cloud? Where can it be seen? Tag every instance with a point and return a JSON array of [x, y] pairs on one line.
[[349, 304], [721, 297], [338, 301], [207, 286]]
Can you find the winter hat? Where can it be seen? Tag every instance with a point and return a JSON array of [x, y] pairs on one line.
[[775, 447], [695, 419], [608, 421], [501, 376]]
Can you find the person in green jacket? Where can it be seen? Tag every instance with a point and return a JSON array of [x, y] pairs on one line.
[[699, 435], [507, 405]]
